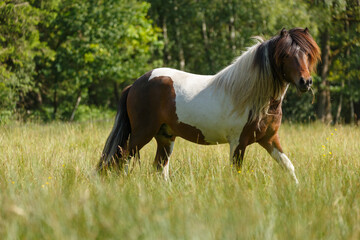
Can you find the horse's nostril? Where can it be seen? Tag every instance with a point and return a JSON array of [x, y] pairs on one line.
[[302, 81]]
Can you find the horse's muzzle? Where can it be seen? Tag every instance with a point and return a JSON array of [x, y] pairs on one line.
[[305, 84]]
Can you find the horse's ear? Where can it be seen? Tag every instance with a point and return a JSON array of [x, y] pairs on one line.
[[306, 30], [283, 32]]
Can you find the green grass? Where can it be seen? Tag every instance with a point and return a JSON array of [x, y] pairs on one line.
[[48, 189]]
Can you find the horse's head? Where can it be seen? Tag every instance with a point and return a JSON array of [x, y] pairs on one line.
[[296, 54]]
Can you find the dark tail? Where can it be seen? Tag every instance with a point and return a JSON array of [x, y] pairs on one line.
[[119, 135]]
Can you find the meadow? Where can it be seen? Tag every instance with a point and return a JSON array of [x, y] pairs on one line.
[[48, 189]]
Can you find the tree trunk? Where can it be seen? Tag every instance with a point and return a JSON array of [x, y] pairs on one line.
[[338, 113], [55, 104], [167, 55], [232, 33], [178, 40], [206, 42], [75, 107], [347, 29], [180, 48], [352, 112], [116, 93], [232, 27], [324, 102]]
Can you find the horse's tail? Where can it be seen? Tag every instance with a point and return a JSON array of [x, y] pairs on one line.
[[116, 143]]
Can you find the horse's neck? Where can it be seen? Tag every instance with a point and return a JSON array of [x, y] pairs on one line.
[[275, 104]]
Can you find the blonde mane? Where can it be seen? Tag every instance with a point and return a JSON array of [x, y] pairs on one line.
[[249, 85]]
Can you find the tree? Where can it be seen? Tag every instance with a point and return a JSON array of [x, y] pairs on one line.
[[19, 45], [338, 24], [61, 57], [100, 46]]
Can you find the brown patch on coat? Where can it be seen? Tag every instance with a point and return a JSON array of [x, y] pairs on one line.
[[266, 129], [267, 134], [190, 133], [264, 132]]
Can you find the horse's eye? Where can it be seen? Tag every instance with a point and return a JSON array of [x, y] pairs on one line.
[[286, 56]]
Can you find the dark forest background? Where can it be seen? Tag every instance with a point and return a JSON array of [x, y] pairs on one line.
[[69, 59]]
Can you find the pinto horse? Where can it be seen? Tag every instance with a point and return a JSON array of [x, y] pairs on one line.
[[239, 105]]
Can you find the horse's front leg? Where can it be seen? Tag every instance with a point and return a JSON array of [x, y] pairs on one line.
[[274, 149]]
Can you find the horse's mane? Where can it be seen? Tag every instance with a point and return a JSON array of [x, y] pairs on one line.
[[256, 77]]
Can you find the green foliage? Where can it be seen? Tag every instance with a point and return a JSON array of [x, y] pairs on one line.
[[19, 45], [98, 43], [59, 56], [340, 19], [53, 52], [298, 107]]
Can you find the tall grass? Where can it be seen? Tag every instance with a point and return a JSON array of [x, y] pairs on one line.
[[48, 189]]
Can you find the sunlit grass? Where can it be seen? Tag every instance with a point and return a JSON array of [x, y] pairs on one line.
[[48, 189]]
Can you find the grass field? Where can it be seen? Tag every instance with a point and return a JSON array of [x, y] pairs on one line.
[[48, 191]]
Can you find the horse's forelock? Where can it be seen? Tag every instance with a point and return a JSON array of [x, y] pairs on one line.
[[282, 47], [296, 40]]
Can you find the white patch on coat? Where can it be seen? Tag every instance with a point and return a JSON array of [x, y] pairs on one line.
[[285, 162], [165, 171], [200, 105], [171, 148], [166, 168]]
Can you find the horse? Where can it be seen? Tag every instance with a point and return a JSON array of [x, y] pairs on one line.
[[239, 105]]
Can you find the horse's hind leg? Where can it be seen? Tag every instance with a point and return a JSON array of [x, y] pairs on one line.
[[139, 137], [165, 143]]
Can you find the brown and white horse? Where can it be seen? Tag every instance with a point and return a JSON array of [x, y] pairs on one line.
[[240, 105]]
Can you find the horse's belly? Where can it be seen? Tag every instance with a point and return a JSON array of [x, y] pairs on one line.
[[209, 119], [209, 131], [197, 134]]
